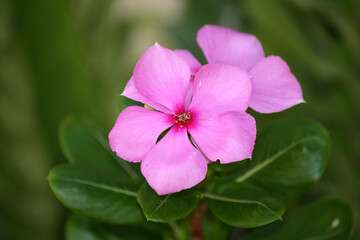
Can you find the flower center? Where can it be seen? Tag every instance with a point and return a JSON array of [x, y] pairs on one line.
[[182, 119]]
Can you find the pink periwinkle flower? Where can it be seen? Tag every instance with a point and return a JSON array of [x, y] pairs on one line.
[[274, 88], [210, 107]]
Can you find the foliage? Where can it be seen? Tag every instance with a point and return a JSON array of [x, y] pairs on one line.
[[289, 157], [325, 219], [63, 57]]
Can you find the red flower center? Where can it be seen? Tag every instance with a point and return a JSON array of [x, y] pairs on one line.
[[182, 119]]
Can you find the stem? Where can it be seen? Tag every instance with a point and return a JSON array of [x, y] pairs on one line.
[[197, 233], [175, 227]]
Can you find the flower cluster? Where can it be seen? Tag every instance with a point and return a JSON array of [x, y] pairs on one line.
[[204, 107]]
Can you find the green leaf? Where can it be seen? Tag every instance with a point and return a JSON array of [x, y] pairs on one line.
[[166, 208], [289, 157], [125, 102], [242, 205], [96, 194], [329, 219], [84, 142], [80, 228], [227, 168]]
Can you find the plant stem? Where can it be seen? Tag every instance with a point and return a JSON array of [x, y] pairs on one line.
[[197, 233], [175, 227]]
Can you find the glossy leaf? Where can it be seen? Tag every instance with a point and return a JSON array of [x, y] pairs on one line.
[[242, 205], [227, 168], [84, 142], [289, 157], [328, 219], [166, 208], [95, 193], [125, 102], [80, 228]]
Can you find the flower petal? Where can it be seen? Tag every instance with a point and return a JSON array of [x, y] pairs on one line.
[[136, 131], [193, 63], [274, 87], [163, 77], [131, 92], [189, 93], [220, 88], [224, 45], [229, 137], [174, 164]]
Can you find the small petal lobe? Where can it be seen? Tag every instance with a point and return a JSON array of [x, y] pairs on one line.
[[193, 63], [274, 87], [136, 131], [174, 164], [227, 46], [229, 137]]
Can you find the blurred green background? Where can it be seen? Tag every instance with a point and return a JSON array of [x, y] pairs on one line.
[[59, 57]]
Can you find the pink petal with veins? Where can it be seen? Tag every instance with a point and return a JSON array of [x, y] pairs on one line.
[[220, 88], [163, 77], [136, 131], [131, 92], [193, 63], [229, 137], [174, 164], [227, 46], [274, 87]]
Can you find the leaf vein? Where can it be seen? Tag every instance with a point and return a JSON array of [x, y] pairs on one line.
[[162, 203], [127, 169], [232, 200], [97, 185], [269, 160]]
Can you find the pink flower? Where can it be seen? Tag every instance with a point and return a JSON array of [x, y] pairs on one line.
[[215, 118], [274, 88]]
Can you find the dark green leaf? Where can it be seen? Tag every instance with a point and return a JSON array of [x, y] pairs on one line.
[[242, 205], [96, 194], [85, 142], [227, 168], [125, 102], [289, 157], [166, 208], [328, 219], [80, 228]]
